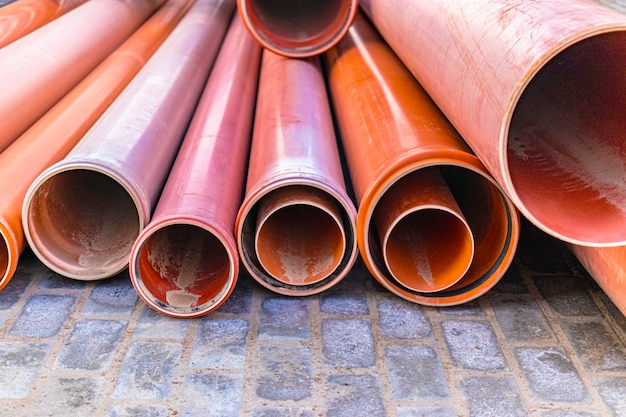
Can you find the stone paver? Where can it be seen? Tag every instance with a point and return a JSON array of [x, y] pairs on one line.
[[544, 342]]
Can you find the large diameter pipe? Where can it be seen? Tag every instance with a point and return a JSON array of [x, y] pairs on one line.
[[297, 28], [40, 68], [537, 89], [24, 16], [185, 262], [295, 229], [51, 138], [607, 266], [82, 215], [396, 141]]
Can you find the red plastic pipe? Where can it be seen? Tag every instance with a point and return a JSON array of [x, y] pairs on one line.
[[396, 141], [607, 266], [39, 69], [297, 28], [537, 89], [296, 227], [60, 129], [185, 263], [82, 215], [24, 16]]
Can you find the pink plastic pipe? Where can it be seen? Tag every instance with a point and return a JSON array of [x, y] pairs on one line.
[[55, 134], [82, 215], [537, 89], [296, 216], [40, 68], [297, 28], [24, 16], [185, 263]]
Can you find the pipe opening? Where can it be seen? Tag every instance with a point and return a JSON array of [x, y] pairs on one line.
[[299, 238], [182, 268], [566, 152], [82, 223], [300, 27], [4, 260], [426, 243]]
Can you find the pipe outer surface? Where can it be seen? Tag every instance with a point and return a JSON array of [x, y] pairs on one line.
[[24, 16], [537, 90], [51, 138], [297, 28], [294, 151], [83, 214], [392, 133], [185, 263], [39, 69]]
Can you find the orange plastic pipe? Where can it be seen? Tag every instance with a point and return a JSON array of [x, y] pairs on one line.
[[24, 16], [607, 266], [297, 28], [185, 263], [394, 135], [39, 69], [537, 89], [60, 129], [82, 215], [296, 210]]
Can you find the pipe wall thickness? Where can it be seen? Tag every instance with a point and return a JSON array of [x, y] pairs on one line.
[[537, 89], [22, 17], [296, 210], [83, 214], [185, 262], [297, 28], [59, 130], [40, 68], [395, 139]]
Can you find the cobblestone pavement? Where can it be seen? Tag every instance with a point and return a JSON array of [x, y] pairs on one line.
[[545, 342]]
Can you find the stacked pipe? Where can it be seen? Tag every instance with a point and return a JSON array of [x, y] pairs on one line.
[[59, 130]]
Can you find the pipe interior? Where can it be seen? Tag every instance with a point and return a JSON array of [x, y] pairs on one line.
[[428, 250], [82, 220], [184, 268], [4, 258], [300, 244], [566, 150], [297, 23]]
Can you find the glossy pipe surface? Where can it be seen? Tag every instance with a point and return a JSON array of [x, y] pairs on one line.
[[185, 262], [392, 133], [537, 89], [607, 266], [24, 16], [294, 149], [297, 28], [82, 215], [59, 130], [40, 68]]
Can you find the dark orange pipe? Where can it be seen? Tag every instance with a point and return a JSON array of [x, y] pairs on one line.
[[192, 230], [537, 89], [24, 16], [58, 131], [297, 28], [295, 229], [607, 266], [82, 215], [394, 135], [39, 69]]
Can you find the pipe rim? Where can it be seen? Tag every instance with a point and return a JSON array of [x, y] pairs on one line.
[[507, 180], [286, 47], [229, 246], [9, 254], [244, 233], [79, 273]]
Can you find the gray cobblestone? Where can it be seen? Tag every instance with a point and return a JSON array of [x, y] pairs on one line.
[[416, 373], [400, 319], [473, 345], [283, 412], [54, 281], [348, 343], [43, 316], [569, 413], [354, 395], [565, 296], [68, 396], [551, 375], [19, 366], [613, 393], [112, 296], [610, 355], [240, 300], [139, 411], [212, 395], [220, 344], [284, 318], [147, 371], [347, 297], [13, 291], [521, 320], [511, 283], [285, 373], [152, 324], [493, 397], [427, 412]]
